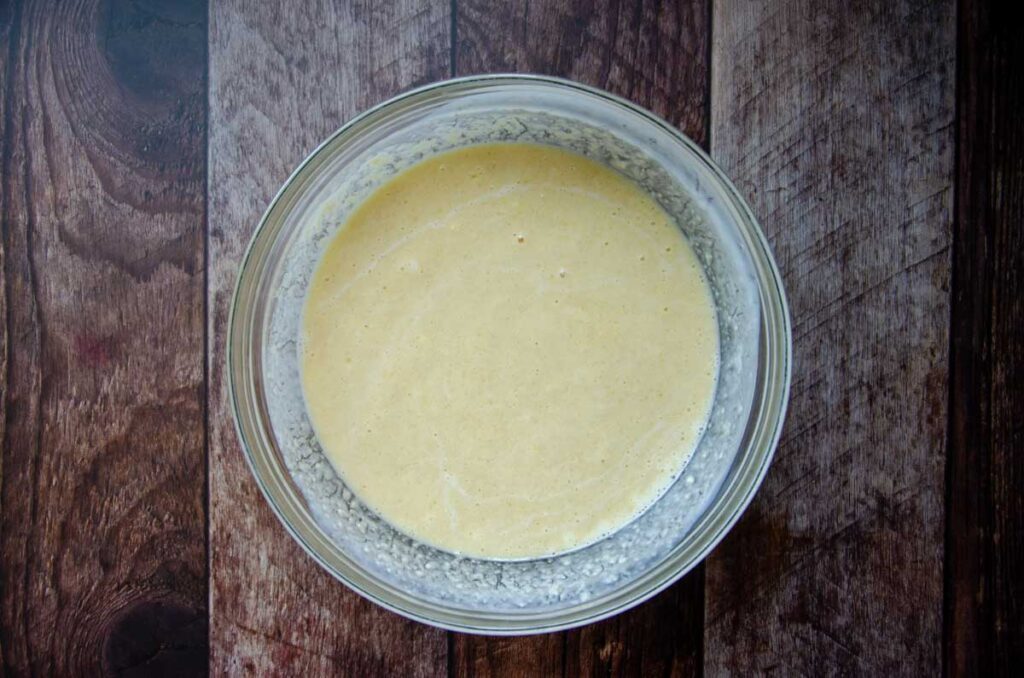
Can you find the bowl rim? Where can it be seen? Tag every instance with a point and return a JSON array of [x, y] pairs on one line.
[[737, 489]]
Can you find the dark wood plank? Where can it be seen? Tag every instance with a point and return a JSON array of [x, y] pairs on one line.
[[102, 537], [985, 509], [662, 637], [281, 79], [835, 119], [474, 656], [656, 54], [7, 19]]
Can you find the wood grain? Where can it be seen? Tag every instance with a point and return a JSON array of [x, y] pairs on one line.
[[651, 52], [102, 509], [656, 54], [985, 509], [835, 120], [281, 80]]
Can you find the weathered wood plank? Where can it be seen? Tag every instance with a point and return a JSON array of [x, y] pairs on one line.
[[102, 517], [985, 509], [836, 121], [656, 54], [281, 79]]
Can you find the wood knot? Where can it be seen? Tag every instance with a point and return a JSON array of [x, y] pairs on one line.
[[157, 638], [155, 49]]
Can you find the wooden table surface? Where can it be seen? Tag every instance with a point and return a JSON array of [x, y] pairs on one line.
[[880, 143]]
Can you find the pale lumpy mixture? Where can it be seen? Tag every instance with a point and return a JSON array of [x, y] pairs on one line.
[[509, 351]]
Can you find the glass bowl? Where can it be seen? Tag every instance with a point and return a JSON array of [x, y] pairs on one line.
[[486, 596]]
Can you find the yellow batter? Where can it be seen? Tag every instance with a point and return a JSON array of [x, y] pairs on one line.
[[509, 351]]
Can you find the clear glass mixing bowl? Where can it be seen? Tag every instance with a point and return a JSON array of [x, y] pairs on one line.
[[482, 596]]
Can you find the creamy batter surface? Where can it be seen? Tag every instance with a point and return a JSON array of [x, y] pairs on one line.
[[509, 351]]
